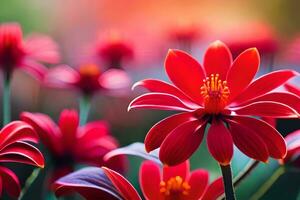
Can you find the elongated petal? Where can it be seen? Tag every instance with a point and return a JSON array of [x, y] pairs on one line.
[[217, 59], [10, 182], [186, 73], [214, 190], [293, 145], [35, 69], [264, 85], [271, 137], [198, 181], [149, 177], [242, 71], [161, 130], [267, 109], [17, 131], [22, 152], [114, 79], [90, 182], [182, 170], [62, 76], [188, 137], [68, 124], [292, 88], [159, 86], [123, 186], [248, 141], [219, 142], [159, 101]]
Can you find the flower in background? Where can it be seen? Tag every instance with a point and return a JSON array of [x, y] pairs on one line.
[[292, 88], [15, 52], [223, 95], [88, 79], [70, 144], [14, 147], [104, 183], [293, 149]]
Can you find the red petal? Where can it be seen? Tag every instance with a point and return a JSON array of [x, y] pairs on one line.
[[114, 79], [217, 59], [35, 69], [293, 145], [161, 130], [68, 124], [182, 170], [214, 190], [248, 141], [186, 73], [242, 71], [264, 85], [219, 142], [17, 131], [10, 182], [198, 181], [271, 137], [62, 76], [187, 136], [22, 152], [267, 109], [123, 186], [159, 101], [149, 177], [162, 87], [292, 88]]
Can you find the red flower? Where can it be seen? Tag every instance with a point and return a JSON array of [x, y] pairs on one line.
[[293, 149], [88, 78], [176, 183], [25, 54], [292, 88], [14, 147], [222, 94], [70, 144]]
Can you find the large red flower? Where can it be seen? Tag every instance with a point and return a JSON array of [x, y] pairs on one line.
[[25, 54], [14, 147], [70, 144], [222, 94], [88, 78]]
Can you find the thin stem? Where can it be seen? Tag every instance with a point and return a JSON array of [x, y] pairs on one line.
[[267, 185], [29, 182], [84, 108], [228, 185], [6, 100]]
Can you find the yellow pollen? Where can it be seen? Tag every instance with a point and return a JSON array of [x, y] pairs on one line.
[[174, 186], [89, 70], [215, 93]]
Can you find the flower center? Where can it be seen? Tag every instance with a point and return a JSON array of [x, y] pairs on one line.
[[215, 93], [89, 70], [174, 187]]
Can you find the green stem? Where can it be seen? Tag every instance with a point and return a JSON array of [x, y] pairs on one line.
[[29, 182], [227, 180], [6, 100], [267, 185], [84, 108]]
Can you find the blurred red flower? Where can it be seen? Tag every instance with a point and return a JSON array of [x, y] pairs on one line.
[[25, 54], [70, 144], [14, 147], [223, 95], [293, 149], [88, 78]]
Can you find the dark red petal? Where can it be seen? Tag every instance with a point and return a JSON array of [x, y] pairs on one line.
[[248, 141], [214, 190], [159, 86], [123, 186], [22, 152], [68, 124], [198, 181], [149, 177], [35, 69], [186, 73], [187, 136], [267, 109], [10, 182], [219, 142], [271, 137], [113, 79], [17, 131], [242, 71], [159, 101], [264, 85], [62, 76], [292, 88], [161, 130], [217, 59], [293, 145], [182, 170]]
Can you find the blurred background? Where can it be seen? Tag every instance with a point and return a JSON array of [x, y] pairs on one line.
[[150, 28]]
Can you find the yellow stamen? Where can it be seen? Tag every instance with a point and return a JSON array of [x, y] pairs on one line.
[[89, 70], [174, 186]]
